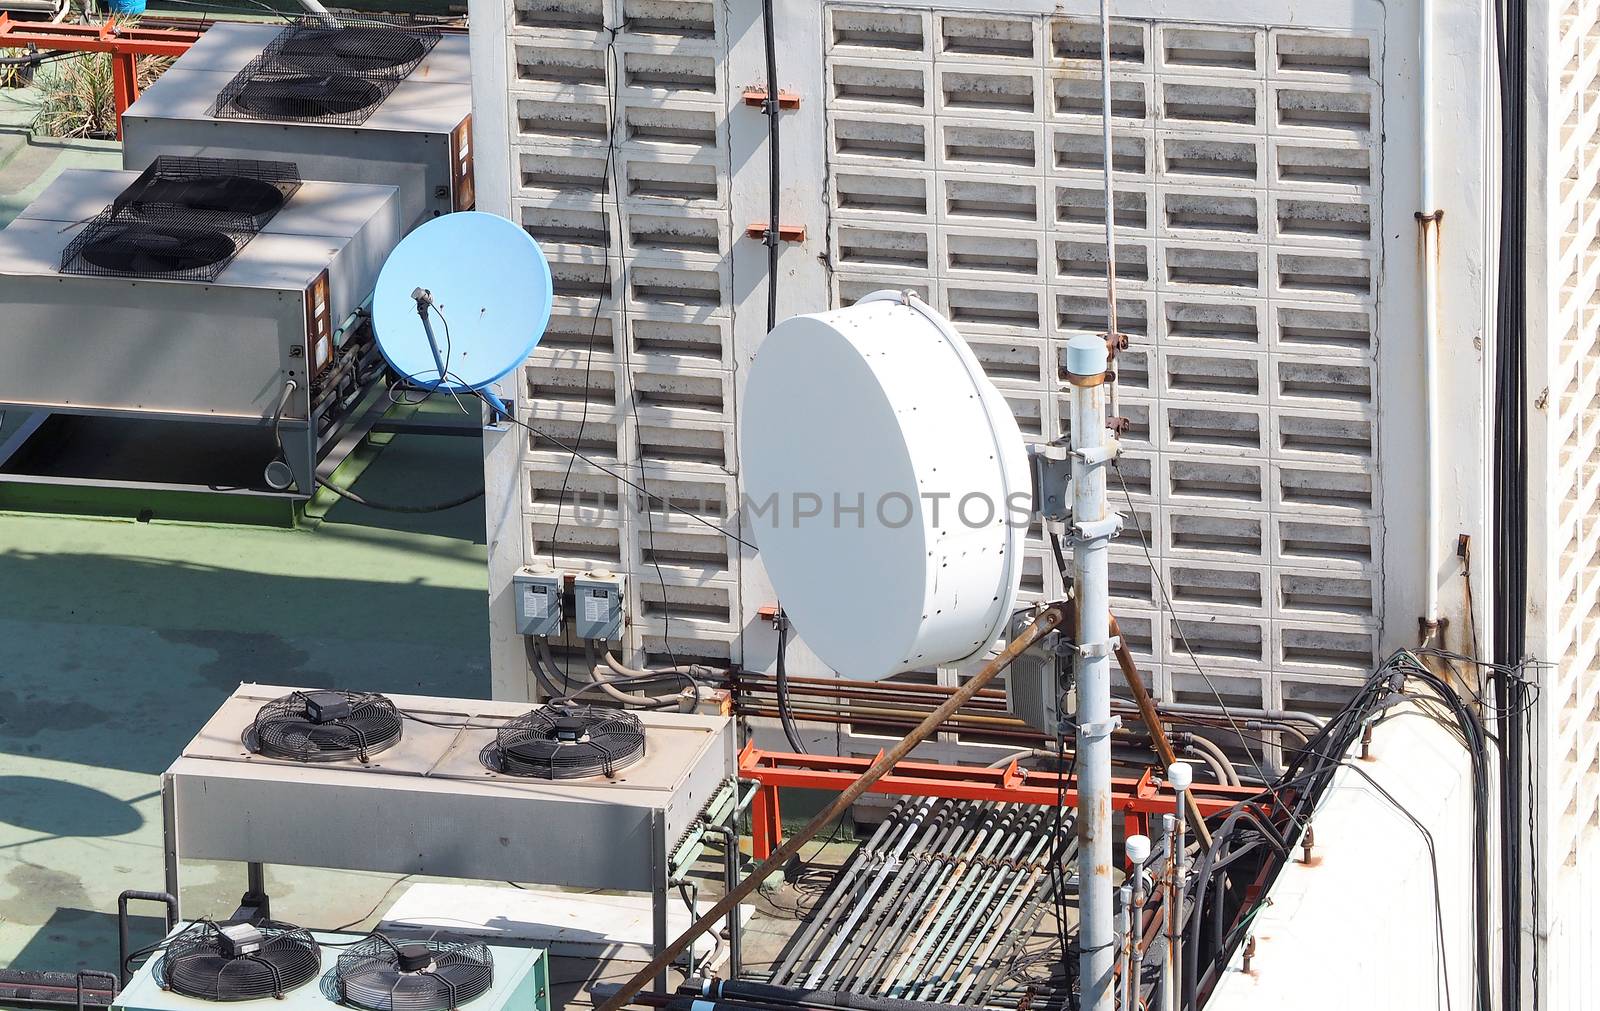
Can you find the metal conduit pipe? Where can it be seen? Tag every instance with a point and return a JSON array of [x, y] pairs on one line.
[[1285, 715], [952, 897], [766, 993], [938, 859], [882, 913], [1020, 876], [1281, 727], [887, 867], [912, 979], [863, 941], [865, 713], [993, 877], [905, 687], [1003, 927], [1172, 710], [1029, 919], [962, 974], [862, 856], [983, 818]]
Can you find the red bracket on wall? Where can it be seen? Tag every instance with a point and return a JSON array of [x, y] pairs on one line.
[[758, 96], [786, 233]]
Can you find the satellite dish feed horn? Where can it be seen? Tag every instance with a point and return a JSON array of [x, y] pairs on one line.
[[484, 282]]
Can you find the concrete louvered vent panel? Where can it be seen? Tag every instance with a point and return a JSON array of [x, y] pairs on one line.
[[1569, 691], [964, 158], [637, 364]]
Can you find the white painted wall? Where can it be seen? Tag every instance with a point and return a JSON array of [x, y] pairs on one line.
[[1355, 927]]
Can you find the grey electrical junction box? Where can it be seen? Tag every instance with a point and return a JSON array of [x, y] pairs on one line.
[[597, 606], [538, 601]]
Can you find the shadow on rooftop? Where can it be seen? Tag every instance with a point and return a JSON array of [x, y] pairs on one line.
[[59, 808], [73, 939], [116, 662]]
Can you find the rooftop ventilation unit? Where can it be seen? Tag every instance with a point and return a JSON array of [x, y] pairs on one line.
[[429, 805], [296, 970], [365, 102], [173, 327]]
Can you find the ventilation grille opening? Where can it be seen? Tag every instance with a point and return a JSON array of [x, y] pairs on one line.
[[324, 726], [315, 72], [182, 219]]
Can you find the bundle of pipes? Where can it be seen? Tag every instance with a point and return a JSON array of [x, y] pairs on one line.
[[887, 707], [934, 907], [744, 995]]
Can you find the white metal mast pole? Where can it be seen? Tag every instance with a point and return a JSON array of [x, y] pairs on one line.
[[1093, 526]]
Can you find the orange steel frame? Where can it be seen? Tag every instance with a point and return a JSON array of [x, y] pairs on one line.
[[1138, 799], [124, 42]]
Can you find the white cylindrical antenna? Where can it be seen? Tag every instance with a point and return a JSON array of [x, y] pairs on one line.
[[1180, 775], [1137, 847]]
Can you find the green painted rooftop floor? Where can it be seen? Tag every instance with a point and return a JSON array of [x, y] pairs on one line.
[[119, 638]]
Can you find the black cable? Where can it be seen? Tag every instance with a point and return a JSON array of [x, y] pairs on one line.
[[1058, 846], [389, 507], [602, 468], [771, 109], [785, 717], [1510, 484], [605, 282], [34, 59], [1312, 770]]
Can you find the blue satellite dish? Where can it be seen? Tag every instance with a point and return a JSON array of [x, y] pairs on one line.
[[461, 302]]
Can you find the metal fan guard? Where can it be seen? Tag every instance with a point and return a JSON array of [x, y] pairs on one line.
[[368, 975], [528, 746], [193, 965], [282, 730], [227, 231], [367, 55]]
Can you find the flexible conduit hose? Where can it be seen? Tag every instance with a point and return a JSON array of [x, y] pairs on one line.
[[1214, 756]]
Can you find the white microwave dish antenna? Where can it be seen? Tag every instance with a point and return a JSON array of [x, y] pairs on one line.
[[888, 487]]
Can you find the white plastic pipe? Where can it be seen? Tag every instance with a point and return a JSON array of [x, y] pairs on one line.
[[1428, 220], [1180, 777], [1137, 850]]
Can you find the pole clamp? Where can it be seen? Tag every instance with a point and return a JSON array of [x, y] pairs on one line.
[[1098, 650], [1097, 731], [1096, 456], [1095, 530]]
